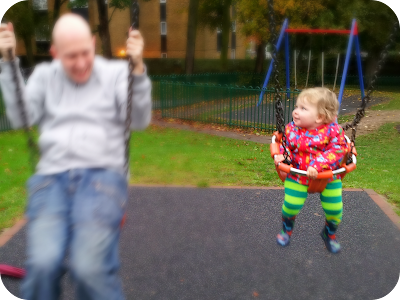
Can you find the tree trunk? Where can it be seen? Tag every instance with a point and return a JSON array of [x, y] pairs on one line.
[[29, 51], [226, 26], [260, 58], [191, 36], [104, 32], [56, 10]]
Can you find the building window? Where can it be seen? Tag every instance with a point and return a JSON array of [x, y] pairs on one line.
[[163, 43], [219, 40], [42, 37], [233, 40], [80, 6], [234, 26], [40, 4], [83, 12], [163, 12], [163, 28]]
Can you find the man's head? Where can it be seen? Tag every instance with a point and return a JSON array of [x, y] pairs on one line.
[[74, 45]]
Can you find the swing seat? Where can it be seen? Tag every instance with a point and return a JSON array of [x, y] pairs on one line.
[[319, 184], [12, 271]]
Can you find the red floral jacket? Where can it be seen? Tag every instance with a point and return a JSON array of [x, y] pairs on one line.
[[322, 148]]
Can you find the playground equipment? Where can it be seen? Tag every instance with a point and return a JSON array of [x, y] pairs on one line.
[[279, 138], [284, 38]]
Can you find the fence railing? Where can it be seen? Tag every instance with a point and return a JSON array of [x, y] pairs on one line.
[[222, 104]]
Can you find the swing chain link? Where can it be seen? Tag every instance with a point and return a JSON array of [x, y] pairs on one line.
[[279, 114], [128, 120], [33, 148], [371, 87]]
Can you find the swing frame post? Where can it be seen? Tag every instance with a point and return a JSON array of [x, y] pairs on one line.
[[271, 65], [337, 70], [359, 66], [287, 57], [347, 61], [295, 69], [309, 65], [322, 66]]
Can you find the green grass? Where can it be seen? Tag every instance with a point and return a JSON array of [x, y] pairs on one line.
[[345, 119], [171, 156], [378, 165], [393, 104], [14, 171]]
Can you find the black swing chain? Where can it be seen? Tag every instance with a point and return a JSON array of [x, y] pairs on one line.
[[371, 87], [33, 149], [280, 120], [127, 133]]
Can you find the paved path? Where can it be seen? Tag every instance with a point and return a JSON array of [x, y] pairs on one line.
[[190, 243]]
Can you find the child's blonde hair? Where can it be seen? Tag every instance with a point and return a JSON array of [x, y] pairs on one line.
[[325, 100]]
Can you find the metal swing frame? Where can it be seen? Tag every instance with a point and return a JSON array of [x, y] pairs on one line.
[[284, 38]]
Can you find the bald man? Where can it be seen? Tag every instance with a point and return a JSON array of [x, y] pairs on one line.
[[79, 191]]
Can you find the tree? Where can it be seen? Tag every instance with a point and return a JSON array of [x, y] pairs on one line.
[[254, 19], [104, 20], [215, 14], [27, 23], [56, 9], [375, 23], [191, 35]]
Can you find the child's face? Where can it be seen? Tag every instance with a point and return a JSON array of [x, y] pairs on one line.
[[306, 115]]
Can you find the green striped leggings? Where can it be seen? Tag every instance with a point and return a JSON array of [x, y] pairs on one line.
[[331, 199]]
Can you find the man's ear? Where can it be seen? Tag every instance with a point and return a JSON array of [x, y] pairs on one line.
[[94, 41], [53, 51]]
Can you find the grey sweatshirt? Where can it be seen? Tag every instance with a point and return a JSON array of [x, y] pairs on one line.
[[81, 126]]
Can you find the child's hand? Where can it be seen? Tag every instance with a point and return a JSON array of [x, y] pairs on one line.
[[312, 173], [279, 158]]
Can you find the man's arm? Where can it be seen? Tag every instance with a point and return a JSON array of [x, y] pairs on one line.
[[32, 95], [141, 100]]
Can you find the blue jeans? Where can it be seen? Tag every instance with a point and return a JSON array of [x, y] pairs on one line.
[[79, 210]]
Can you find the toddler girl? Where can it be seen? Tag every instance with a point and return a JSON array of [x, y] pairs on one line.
[[315, 143]]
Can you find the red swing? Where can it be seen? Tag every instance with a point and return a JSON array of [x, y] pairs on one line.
[[319, 184]]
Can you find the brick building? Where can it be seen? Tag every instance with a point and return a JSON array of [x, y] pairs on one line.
[[163, 24]]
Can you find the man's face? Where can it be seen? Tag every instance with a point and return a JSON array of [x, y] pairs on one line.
[[76, 53]]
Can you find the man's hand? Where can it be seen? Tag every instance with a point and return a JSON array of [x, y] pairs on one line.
[[134, 49], [312, 173], [279, 158], [7, 41]]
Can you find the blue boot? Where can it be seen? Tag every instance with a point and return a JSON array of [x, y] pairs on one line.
[[283, 238], [329, 238]]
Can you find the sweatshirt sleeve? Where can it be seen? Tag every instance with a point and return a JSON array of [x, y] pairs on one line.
[[33, 94], [141, 100], [334, 153]]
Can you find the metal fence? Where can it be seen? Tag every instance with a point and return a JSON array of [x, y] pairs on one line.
[[222, 104]]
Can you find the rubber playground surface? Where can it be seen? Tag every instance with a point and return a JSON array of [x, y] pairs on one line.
[[219, 243]]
